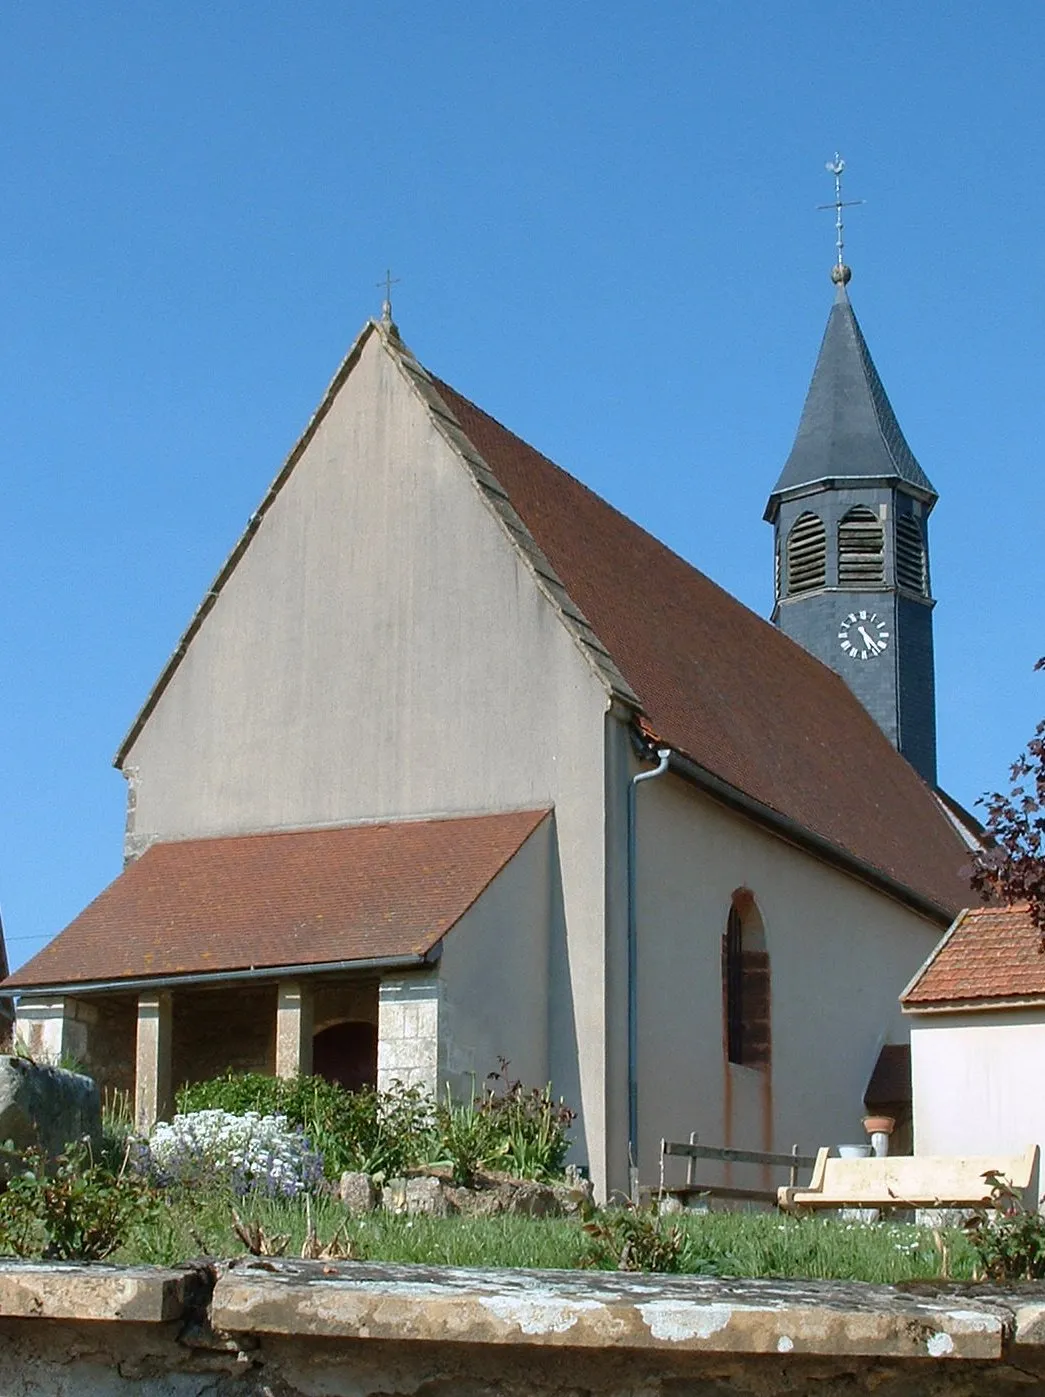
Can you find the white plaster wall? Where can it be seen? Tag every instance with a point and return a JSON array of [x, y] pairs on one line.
[[382, 651], [977, 1082], [840, 954], [494, 970]]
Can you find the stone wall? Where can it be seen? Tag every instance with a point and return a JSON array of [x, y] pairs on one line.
[[309, 1329], [111, 1041], [408, 1031], [229, 1029]]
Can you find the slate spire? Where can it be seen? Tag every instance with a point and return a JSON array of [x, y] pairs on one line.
[[850, 513], [848, 431]]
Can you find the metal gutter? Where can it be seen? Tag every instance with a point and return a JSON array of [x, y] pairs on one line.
[[664, 755], [794, 833], [224, 977]]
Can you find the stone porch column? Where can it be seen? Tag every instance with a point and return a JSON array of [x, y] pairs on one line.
[[294, 1027], [152, 1071], [408, 1031], [54, 1031]]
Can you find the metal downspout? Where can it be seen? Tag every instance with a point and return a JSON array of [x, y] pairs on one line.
[[664, 753]]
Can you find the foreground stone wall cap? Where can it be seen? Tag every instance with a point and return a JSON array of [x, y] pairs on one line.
[[68, 1290], [604, 1310]]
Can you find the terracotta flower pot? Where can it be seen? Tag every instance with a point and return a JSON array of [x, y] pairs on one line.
[[879, 1125]]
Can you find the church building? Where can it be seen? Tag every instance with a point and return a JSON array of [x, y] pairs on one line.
[[455, 762]]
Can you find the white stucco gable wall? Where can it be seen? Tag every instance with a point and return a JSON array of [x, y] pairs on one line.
[[976, 1079], [382, 649], [379, 650]]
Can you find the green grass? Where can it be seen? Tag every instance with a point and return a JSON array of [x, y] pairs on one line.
[[724, 1244]]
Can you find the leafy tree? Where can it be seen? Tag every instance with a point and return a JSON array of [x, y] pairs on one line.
[[1012, 867]]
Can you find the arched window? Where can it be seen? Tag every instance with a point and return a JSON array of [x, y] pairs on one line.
[[745, 984], [861, 549], [910, 554], [806, 555]]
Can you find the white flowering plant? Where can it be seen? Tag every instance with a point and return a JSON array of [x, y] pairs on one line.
[[248, 1153]]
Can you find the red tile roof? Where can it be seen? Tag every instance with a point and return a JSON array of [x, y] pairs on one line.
[[989, 954], [308, 897], [723, 686]]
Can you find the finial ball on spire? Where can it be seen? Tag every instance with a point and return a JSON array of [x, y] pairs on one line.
[[841, 275]]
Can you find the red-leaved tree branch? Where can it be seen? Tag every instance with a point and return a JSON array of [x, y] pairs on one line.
[[1012, 869]]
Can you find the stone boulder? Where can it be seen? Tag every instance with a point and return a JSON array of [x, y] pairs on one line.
[[493, 1195], [357, 1192], [575, 1195], [435, 1194], [421, 1194], [46, 1107]]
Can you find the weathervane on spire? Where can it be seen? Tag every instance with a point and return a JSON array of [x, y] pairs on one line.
[[386, 305], [840, 273]]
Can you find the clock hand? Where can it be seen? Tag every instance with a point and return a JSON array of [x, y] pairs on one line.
[[871, 644]]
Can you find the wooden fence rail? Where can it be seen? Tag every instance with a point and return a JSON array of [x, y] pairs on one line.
[[691, 1151]]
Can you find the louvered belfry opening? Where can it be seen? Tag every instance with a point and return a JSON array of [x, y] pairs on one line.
[[861, 549], [910, 554], [745, 984], [806, 555]]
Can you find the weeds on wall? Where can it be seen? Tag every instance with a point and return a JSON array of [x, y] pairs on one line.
[[1008, 1238], [636, 1239]]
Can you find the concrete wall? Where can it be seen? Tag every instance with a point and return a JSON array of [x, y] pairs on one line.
[[839, 955], [382, 650], [281, 1328], [977, 1081]]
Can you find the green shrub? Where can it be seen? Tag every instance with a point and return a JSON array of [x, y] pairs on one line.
[[530, 1127], [467, 1138], [522, 1130], [376, 1132], [73, 1209]]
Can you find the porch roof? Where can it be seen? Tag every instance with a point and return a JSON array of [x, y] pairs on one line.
[[298, 898]]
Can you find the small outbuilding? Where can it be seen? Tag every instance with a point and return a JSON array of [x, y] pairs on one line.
[[977, 1016]]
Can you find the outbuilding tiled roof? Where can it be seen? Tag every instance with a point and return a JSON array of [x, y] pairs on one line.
[[723, 686], [989, 954], [308, 897]]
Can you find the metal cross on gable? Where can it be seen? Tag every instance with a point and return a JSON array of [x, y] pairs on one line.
[[388, 282], [835, 167]]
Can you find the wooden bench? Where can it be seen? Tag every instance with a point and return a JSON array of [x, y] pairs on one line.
[[913, 1181], [692, 1151]]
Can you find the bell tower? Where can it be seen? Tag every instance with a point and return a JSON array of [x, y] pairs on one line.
[[850, 514]]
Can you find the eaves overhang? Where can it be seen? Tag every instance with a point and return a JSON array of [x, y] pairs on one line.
[[847, 482], [216, 978], [794, 833], [974, 1006]]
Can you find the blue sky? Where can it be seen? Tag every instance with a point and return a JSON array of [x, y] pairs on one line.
[[603, 218]]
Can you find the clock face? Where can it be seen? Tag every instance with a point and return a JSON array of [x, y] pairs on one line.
[[863, 635]]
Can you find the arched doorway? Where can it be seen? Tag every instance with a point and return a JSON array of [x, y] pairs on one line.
[[346, 1053]]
